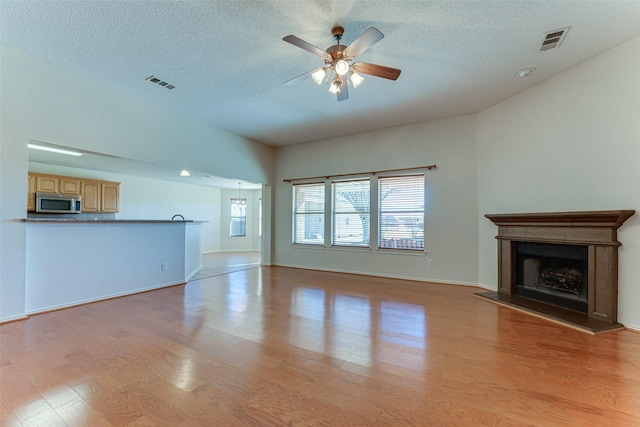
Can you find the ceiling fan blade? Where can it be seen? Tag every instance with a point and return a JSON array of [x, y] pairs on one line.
[[377, 70], [367, 39], [299, 78], [296, 41], [343, 95]]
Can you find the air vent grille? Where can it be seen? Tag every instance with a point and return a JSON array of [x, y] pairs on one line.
[[554, 38], [154, 79]]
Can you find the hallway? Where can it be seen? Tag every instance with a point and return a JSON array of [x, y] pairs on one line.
[[217, 263]]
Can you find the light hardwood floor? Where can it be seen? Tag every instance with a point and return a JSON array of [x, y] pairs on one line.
[[275, 346], [217, 263]]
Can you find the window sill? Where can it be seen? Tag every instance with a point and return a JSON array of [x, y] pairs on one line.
[[408, 252], [308, 246], [351, 248]]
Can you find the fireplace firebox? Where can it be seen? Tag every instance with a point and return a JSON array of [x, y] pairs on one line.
[[561, 259], [553, 273]]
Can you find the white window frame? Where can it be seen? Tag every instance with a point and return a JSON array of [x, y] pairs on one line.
[[407, 237], [302, 219], [361, 214], [242, 218]]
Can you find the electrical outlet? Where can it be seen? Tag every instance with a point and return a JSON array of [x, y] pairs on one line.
[[430, 262], [163, 266]]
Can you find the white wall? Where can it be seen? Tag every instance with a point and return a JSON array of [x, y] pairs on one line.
[[571, 143], [70, 264], [42, 102], [451, 205], [250, 242]]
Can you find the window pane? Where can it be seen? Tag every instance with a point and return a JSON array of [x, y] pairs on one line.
[[308, 214], [238, 220], [401, 214], [351, 207]]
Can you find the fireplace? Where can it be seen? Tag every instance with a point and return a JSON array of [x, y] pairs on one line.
[[567, 261], [553, 273]]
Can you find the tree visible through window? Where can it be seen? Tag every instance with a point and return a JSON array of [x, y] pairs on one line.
[[401, 212], [238, 221], [351, 207]]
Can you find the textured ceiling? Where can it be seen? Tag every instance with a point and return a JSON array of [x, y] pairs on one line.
[[227, 59]]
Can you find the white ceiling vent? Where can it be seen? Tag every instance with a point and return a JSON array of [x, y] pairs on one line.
[[553, 38], [154, 79]]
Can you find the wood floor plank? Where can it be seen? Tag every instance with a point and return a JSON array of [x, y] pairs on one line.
[[275, 346]]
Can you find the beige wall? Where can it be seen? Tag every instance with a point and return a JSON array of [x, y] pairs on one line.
[[451, 204], [571, 143]]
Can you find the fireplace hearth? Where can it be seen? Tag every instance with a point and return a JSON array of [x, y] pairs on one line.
[[562, 265]]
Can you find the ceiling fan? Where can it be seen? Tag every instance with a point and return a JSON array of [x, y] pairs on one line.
[[340, 71]]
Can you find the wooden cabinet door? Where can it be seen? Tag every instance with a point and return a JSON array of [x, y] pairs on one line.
[[69, 185], [31, 193], [90, 196], [110, 196], [47, 183]]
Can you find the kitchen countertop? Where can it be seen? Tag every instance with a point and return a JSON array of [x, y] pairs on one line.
[[109, 221]]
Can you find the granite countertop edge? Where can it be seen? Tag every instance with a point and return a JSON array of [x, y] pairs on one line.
[[109, 221]]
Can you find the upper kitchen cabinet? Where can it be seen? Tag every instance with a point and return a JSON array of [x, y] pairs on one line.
[[31, 193], [100, 196], [110, 196], [47, 183], [97, 195], [69, 185]]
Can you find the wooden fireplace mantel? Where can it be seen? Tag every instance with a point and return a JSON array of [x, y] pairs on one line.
[[595, 229]]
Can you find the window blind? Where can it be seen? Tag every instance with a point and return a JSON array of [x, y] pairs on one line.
[[308, 213], [401, 212], [238, 219], [351, 208]]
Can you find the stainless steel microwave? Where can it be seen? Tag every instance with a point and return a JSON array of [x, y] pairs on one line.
[[58, 203]]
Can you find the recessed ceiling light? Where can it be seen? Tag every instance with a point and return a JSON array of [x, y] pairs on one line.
[[185, 173], [525, 72], [54, 150]]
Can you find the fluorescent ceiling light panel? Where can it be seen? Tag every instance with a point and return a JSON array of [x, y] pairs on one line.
[[54, 150]]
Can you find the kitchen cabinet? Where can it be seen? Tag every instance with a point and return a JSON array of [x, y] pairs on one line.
[[97, 195], [69, 185], [31, 193], [100, 196], [47, 183], [90, 196], [110, 196]]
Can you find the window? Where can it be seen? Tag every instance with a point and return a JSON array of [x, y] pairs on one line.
[[401, 212], [351, 202], [308, 213], [238, 221]]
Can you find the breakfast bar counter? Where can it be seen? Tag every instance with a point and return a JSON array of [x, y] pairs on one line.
[[75, 261]]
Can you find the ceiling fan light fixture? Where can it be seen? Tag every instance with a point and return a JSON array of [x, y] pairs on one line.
[[341, 66], [319, 75], [335, 85], [356, 79]]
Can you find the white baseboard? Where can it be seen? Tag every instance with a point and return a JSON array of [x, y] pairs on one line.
[[193, 273], [101, 298], [387, 276], [13, 319]]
